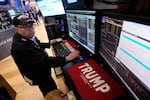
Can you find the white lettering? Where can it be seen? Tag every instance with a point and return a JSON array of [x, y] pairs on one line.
[[86, 69], [103, 88], [91, 75], [94, 78], [84, 65], [97, 81]]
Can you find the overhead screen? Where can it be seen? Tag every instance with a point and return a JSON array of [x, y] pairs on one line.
[[125, 45], [51, 7], [81, 27]]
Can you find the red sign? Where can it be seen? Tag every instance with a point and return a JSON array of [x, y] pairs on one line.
[[94, 83]]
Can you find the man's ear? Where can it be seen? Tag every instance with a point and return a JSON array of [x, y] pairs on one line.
[[16, 29]]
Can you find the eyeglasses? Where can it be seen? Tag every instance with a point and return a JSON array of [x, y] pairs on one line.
[[28, 26]]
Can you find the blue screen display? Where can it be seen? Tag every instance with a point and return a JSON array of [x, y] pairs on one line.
[[81, 27], [51, 7]]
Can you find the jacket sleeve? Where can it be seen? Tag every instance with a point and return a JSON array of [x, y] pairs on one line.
[[45, 45], [32, 56]]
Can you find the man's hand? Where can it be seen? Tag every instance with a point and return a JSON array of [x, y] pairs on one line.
[[53, 41], [72, 55]]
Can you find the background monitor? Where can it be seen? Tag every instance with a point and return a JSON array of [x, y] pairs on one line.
[[12, 13], [51, 7], [81, 27], [73, 4], [56, 26], [125, 46], [4, 2]]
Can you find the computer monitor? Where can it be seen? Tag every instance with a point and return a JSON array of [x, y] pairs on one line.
[[12, 13], [81, 28], [61, 21], [4, 2], [51, 7], [125, 46], [74, 4]]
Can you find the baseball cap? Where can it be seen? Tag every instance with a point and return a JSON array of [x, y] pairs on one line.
[[22, 19]]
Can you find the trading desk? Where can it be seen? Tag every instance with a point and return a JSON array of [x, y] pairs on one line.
[[87, 79]]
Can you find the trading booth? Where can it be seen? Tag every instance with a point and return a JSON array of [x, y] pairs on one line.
[[114, 48]]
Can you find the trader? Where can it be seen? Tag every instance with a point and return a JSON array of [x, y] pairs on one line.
[[30, 56]]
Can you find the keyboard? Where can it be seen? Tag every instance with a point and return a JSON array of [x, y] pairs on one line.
[[61, 49]]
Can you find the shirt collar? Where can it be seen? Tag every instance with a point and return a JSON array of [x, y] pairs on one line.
[[32, 39]]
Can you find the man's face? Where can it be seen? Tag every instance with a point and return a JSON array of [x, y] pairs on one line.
[[26, 31]]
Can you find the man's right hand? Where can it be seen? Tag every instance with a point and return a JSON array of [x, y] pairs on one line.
[[72, 55]]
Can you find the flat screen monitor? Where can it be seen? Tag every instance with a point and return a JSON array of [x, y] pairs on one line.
[[81, 27], [61, 24], [73, 4], [12, 13], [51, 7], [125, 46]]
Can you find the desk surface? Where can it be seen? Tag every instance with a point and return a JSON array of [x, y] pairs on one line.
[[20, 90]]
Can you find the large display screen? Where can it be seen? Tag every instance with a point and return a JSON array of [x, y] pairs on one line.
[[134, 50], [81, 27], [125, 45], [51, 7]]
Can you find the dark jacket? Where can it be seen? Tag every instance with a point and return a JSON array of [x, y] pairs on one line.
[[32, 60]]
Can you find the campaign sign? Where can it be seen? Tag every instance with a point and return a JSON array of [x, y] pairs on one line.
[[93, 82]]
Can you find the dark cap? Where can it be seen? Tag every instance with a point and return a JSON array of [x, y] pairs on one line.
[[22, 19]]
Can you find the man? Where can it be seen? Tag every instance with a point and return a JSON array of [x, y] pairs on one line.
[[30, 56]]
